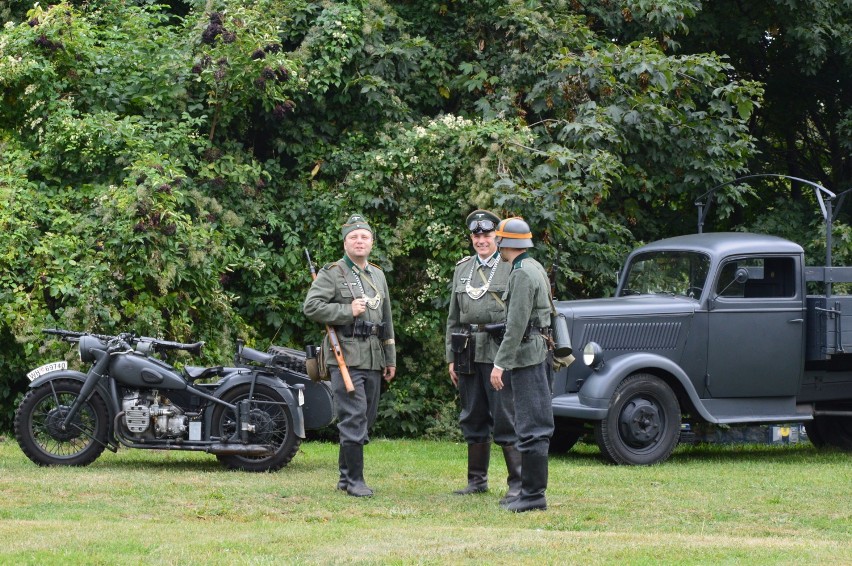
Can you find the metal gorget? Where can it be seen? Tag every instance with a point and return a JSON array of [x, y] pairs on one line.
[[476, 293], [372, 302]]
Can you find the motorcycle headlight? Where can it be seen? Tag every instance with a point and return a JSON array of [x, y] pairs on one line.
[[593, 355], [87, 346]]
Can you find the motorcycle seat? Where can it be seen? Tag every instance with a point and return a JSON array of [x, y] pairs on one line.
[[253, 355], [194, 373]]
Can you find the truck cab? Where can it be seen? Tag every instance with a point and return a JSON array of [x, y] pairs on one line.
[[714, 328]]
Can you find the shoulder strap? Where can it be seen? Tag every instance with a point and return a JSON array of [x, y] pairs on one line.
[[345, 280], [495, 295]]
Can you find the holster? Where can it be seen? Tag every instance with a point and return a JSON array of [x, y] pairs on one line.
[[464, 350], [496, 330]]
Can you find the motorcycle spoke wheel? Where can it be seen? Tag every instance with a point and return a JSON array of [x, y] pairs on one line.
[[39, 426], [273, 425]]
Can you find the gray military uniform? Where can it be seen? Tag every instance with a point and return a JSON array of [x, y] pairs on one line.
[[524, 359], [479, 401], [329, 302]]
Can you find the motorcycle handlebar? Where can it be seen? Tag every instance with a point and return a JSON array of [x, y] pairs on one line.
[[162, 345], [158, 345], [74, 336]]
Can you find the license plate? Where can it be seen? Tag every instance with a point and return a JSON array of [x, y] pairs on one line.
[[46, 368], [301, 398]]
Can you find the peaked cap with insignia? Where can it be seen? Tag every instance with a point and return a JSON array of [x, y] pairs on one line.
[[482, 221]]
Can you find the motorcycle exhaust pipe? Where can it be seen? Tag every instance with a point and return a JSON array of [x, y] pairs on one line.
[[239, 449]]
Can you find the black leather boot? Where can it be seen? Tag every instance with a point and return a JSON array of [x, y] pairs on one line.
[[354, 456], [533, 484], [343, 482], [513, 466], [478, 457]]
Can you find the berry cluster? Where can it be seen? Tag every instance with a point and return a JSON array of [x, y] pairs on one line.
[[215, 28], [44, 43]]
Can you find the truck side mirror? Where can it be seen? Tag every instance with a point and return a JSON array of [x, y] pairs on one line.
[[740, 277]]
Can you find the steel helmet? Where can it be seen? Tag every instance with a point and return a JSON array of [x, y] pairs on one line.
[[514, 233]]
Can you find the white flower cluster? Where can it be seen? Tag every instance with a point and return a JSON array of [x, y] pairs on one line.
[[453, 122], [437, 233], [417, 324]]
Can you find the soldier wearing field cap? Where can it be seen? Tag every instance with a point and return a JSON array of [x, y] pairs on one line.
[[351, 294], [478, 284], [520, 365]]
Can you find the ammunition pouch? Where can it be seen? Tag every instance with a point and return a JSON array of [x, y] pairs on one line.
[[363, 329]]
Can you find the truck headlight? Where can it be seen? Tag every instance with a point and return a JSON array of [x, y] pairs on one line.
[[593, 355]]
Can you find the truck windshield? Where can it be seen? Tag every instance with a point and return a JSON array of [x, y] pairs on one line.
[[667, 273]]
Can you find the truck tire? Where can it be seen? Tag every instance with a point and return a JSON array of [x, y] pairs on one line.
[[642, 426], [566, 433], [830, 431]]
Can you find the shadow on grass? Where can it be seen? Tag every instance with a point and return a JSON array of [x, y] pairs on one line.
[[588, 453], [157, 459]]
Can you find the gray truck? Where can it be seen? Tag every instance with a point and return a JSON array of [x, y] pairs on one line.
[[709, 328]]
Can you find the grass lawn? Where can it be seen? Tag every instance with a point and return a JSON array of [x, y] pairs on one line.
[[723, 505]]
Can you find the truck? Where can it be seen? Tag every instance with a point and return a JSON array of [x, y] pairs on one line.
[[713, 328]]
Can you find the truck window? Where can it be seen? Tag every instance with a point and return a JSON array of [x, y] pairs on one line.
[[768, 277], [667, 273]]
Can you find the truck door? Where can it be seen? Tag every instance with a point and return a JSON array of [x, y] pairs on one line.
[[756, 329]]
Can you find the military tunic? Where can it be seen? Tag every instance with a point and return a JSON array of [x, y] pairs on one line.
[[329, 302], [480, 404], [465, 311], [526, 380]]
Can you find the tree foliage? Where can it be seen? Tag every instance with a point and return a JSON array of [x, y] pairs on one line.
[[162, 167]]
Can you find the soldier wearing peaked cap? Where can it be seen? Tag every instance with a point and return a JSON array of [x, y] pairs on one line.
[[520, 364], [478, 283], [351, 294]]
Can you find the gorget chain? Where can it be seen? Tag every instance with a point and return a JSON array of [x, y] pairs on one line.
[[476, 293], [372, 302]]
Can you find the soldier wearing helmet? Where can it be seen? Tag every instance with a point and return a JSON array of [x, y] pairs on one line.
[[520, 370], [478, 284]]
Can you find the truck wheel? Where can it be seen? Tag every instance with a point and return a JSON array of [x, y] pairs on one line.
[[815, 435], [831, 432], [642, 426], [565, 436]]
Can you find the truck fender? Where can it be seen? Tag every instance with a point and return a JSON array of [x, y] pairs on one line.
[[600, 385], [279, 386]]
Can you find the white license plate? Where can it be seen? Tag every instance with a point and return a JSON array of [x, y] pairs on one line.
[[46, 368], [301, 398]]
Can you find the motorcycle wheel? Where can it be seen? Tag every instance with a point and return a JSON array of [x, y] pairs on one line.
[[273, 425], [38, 431]]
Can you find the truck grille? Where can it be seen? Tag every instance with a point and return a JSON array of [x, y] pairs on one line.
[[632, 335]]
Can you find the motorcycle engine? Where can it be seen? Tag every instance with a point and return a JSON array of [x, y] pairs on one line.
[[152, 415]]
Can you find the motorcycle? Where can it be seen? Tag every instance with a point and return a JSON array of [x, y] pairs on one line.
[[251, 418]]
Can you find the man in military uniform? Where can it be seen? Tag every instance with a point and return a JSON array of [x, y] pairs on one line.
[[479, 282], [352, 295], [520, 369]]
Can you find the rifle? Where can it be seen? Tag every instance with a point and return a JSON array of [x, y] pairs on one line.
[[332, 338]]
